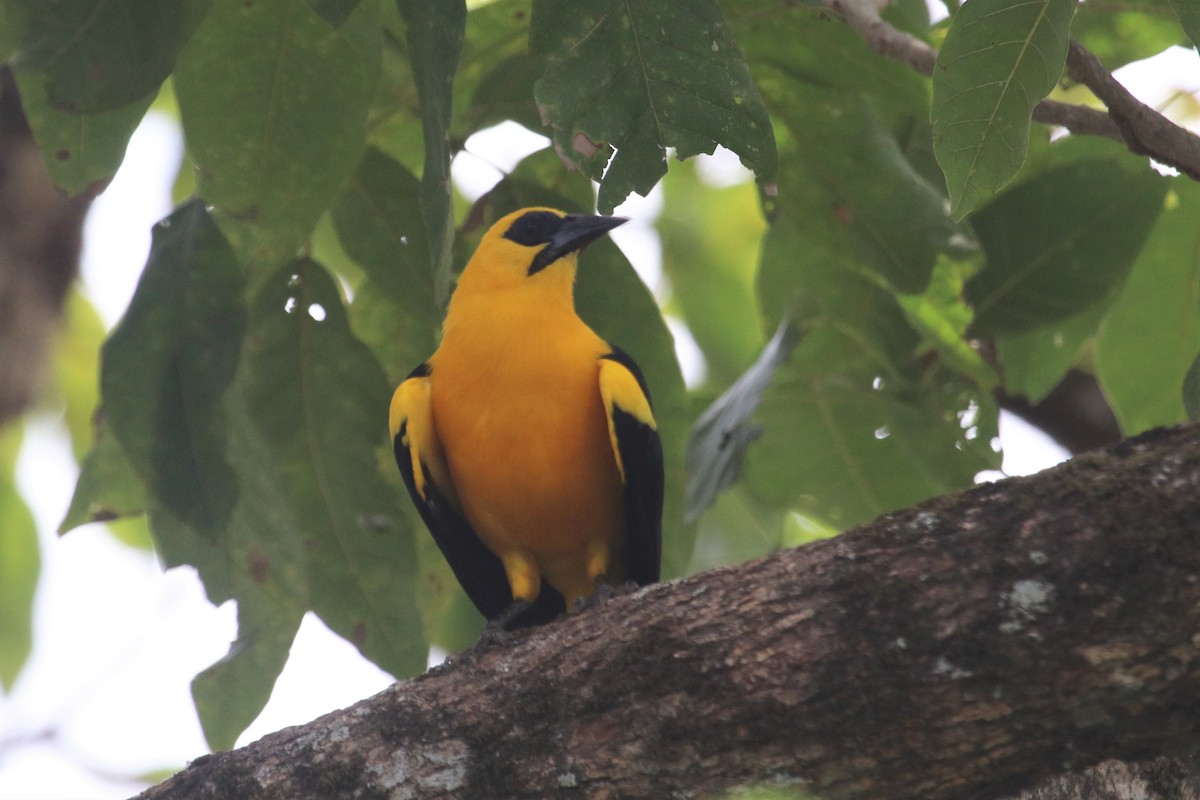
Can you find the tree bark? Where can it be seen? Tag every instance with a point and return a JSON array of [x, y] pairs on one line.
[[975, 646]]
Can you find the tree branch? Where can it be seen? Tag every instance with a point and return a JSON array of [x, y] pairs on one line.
[[973, 646], [1141, 128], [1144, 130]]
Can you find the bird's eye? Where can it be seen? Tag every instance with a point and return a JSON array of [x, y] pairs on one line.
[[534, 228]]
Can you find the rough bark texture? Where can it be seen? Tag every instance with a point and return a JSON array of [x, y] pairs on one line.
[[972, 647], [41, 232]]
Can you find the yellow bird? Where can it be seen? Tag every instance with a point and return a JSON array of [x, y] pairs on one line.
[[527, 442]]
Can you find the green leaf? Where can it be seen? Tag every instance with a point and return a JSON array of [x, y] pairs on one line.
[[335, 12], [846, 175], [231, 693], [101, 55], [82, 151], [1150, 337], [848, 449], [168, 363], [497, 72], [318, 399], [710, 239], [20, 565], [803, 45], [1119, 33], [998, 61], [76, 364], [1191, 390], [942, 318], [1060, 242], [108, 488], [274, 104], [856, 424], [435, 30], [378, 221], [316, 526], [642, 77], [1035, 361], [735, 529], [1188, 12], [724, 430]]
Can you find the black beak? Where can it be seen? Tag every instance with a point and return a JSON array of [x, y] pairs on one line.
[[576, 232]]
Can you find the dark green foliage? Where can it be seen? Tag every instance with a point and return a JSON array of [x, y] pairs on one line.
[[244, 395]]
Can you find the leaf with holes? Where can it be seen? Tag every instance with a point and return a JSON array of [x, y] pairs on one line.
[[642, 77], [998, 61]]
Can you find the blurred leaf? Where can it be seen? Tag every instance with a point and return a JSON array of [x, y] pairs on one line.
[[231, 693], [845, 173], [497, 72], [854, 425], [20, 565], [1189, 16], [1060, 242], [108, 488], [378, 222], [800, 529], [99, 55], [274, 105], [1191, 390], [802, 44], [998, 61], [1131, 30], [710, 239], [167, 364], [399, 339], [734, 529], [807, 270], [1151, 335], [435, 30], [1035, 361], [82, 151], [77, 368], [640, 78], [848, 450], [315, 527], [335, 12], [723, 431], [318, 399], [942, 318]]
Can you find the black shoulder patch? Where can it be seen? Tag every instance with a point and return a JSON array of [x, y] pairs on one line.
[[423, 371], [625, 360], [534, 228]]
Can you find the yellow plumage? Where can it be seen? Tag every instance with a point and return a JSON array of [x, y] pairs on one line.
[[515, 433]]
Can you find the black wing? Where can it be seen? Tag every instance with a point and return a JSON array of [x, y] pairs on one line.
[[478, 570], [639, 452]]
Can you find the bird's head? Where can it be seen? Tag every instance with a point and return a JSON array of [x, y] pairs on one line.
[[534, 245]]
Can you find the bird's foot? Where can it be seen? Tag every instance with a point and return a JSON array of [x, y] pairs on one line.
[[603, 593]]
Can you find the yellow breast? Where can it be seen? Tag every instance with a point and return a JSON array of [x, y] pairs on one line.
[[517, 407]]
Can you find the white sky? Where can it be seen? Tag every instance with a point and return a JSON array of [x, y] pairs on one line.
[[118, 641]]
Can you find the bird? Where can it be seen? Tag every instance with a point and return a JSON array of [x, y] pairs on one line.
[[527, 442]]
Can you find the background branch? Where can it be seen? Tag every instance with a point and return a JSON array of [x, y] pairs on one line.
[[971, 647], [1128, 120]]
